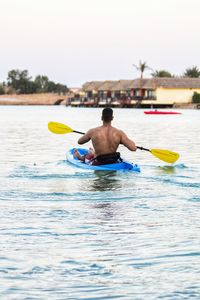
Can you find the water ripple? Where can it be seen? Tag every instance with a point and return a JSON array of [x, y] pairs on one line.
[[69, 233]]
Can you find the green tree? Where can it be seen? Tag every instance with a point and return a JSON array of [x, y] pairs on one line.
[[196, 97], [2, 91], [161, 73], [61, 88], [42, 83], [192, 72], [20, 81], [51, 87]]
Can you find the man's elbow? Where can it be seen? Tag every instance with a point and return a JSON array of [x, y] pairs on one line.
[[80, 142]]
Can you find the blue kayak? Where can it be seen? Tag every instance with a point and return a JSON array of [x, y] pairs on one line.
[[119, 166]]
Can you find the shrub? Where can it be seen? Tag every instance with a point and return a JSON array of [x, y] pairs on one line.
[[196, 97], [2, 91]]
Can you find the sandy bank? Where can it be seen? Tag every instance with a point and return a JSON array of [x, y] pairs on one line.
[[33, 99]]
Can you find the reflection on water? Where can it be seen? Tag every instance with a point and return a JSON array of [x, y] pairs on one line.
[[105, 209], [171, 169], [105, 181], [167, 169]]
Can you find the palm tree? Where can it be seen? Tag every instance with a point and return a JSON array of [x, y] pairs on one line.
[[142, 67], [192, 72]]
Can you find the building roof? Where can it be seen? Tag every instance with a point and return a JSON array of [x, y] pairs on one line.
[[144, 83], [107, 85], [91, 85], [176, 82], [121, 85], [141, 83], [165, 82]]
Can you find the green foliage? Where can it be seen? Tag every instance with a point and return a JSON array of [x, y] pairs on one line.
[[192, 72], [2, 91], [21, 83], [44, 85], [41, 83], [161, 73], [196, 97]]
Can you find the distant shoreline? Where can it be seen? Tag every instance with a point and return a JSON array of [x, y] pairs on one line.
[[56, 99]]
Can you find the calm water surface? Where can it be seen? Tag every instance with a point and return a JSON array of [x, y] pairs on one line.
[[67, 233]]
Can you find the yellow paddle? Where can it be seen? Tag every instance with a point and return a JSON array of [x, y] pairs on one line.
[[60, 128], [165, 155]]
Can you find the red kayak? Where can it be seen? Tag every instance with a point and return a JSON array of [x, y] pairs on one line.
[[157, 112]]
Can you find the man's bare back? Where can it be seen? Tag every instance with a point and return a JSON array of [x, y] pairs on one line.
[[106, 139]]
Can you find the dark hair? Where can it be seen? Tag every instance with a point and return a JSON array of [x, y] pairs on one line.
[[107, 114]]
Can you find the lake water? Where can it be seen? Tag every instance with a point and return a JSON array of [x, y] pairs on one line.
[[68, 233]]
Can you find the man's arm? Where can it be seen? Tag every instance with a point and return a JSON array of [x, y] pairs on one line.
[[127, 142], [85, 138]]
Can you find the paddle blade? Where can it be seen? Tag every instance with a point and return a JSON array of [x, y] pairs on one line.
[[165, 155], [59, 128]]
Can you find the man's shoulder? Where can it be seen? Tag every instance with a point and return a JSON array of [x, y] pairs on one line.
[[95, 129], [117, 130]]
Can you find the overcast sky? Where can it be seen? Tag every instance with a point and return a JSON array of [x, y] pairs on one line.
[[74, 41]]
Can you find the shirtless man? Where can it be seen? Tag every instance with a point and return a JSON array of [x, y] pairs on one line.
[[105, 140]]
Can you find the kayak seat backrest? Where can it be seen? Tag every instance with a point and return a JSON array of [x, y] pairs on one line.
[[110, 158]]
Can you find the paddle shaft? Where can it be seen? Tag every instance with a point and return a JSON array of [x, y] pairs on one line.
[[78, 132], [141, 148]]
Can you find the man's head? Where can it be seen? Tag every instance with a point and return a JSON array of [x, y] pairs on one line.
[[107, 114]]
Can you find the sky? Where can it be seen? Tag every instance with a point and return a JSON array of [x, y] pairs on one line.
[[74, 41]]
